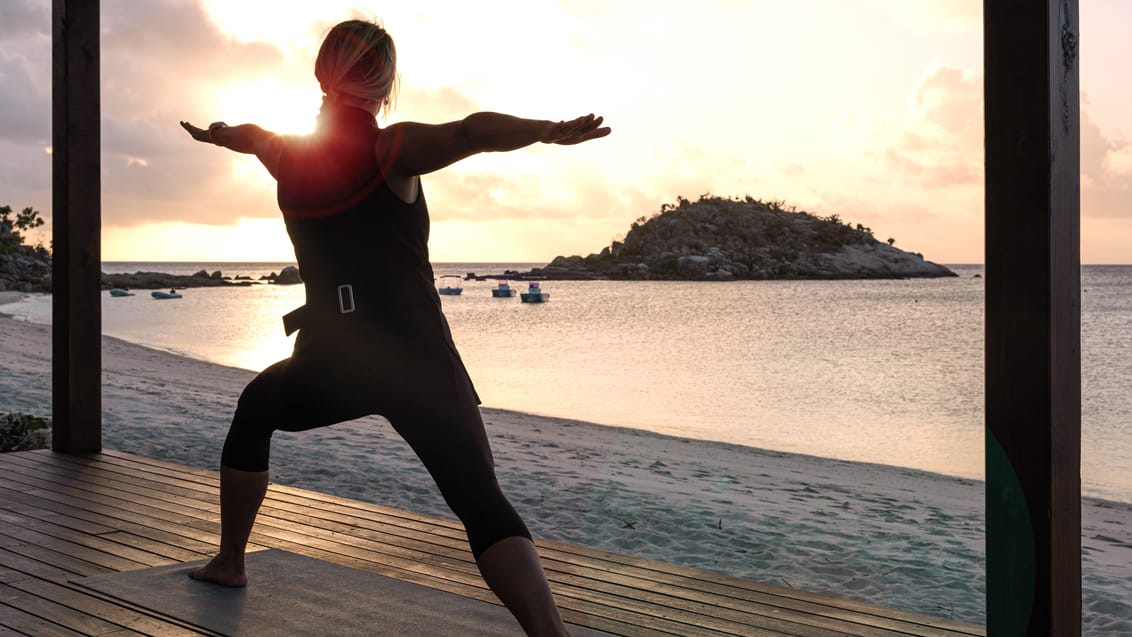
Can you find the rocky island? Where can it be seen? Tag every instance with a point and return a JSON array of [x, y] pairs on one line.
[[722, 239]]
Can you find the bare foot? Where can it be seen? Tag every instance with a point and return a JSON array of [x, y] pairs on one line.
[[221, 572]]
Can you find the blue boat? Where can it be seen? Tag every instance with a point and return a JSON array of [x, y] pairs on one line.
[[450, 290], [120, 292], [503, 290], [534, 294], [158, 294]]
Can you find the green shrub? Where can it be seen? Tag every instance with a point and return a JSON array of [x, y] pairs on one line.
[[12, 229], [24, 432]]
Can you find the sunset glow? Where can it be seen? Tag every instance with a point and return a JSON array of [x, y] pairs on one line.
[[871, 110]]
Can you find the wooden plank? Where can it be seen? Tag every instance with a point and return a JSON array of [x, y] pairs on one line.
[[116, 543], [178, 542], [51, 556], [17, 622], [423, 568], [152, 528], [80, 550], [270, 520], [182, 528], [1032, 318], [646, 580], [304, 545], [628, 590], [619, 594], [55, 613], [742, 590], [131, 621], [62, 481], [18, 504], [15, 567], [76, 222], [650, 587]]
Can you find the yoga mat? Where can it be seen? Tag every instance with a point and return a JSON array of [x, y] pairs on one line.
[[293, 594]]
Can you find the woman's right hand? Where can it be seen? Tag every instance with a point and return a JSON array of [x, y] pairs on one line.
[[575, 131]]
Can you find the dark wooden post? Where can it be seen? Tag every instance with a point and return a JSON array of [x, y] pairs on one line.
[[1033, 303], [76, 211]]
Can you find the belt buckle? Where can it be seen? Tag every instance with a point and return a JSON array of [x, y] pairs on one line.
[[346, 299]]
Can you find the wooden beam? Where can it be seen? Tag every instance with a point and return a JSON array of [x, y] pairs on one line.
[[1033, 307], [76, 211]]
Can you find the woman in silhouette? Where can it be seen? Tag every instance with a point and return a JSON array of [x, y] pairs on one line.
[[372, 338]]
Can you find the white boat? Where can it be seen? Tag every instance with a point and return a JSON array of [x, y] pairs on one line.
[[454, 289], [534, 294], [502, 290]]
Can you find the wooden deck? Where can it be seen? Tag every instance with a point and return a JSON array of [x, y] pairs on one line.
[[65, 517]]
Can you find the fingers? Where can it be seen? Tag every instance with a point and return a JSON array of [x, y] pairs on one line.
[[585, 137], [199, 134], [580, 129]]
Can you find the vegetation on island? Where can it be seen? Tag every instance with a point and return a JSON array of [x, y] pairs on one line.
[[23, 267], [24, 432], [718, 238], [12, 229]]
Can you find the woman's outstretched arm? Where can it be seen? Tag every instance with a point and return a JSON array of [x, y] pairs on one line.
[[245, 138], [417, 149]]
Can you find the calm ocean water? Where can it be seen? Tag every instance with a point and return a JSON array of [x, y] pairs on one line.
[[877, 371]]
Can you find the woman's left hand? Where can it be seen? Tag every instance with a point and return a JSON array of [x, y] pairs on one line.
[[202, 134], [576, 131]]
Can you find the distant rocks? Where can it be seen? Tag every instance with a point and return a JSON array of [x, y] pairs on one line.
[[717, 239], [288, 276], [25, 269], [164, 281]]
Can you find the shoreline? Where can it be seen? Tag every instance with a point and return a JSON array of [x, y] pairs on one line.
[[10, 296], [904, 538]]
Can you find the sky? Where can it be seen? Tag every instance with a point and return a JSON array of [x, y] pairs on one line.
[[870, 109]]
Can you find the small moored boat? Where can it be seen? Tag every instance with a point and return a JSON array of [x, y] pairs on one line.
[[452, 289], [534, 294], [171, 294], [120, 292], [502, 290]]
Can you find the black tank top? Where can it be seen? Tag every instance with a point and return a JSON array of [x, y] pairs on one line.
[[350, 229], [347, 226]]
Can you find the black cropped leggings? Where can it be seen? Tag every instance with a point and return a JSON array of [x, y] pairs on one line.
[[442, 425]]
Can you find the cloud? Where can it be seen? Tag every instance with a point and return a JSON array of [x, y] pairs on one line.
[[163, 61], [25, 116], [441, 104], [159, 61], [939, 141], [1106, 173], [19, 18], [938, 145], [579, 192], [794, 171], [1118, 162]]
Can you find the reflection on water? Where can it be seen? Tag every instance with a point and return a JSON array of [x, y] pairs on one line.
[[878, 371]]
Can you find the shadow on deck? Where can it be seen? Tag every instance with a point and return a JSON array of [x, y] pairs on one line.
[[64, 518]]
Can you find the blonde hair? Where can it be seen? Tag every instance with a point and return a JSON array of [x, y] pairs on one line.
[[357, 66]]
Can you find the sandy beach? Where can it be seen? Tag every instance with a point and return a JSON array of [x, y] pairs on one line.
[[893, 536]]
